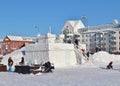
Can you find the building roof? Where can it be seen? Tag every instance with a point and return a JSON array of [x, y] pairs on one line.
[[15, 38], [73, 25], [114, 24], [20, 38], [100, 28], [104, 26]]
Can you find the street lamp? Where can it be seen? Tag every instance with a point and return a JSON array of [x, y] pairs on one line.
[[102, 34], [86, 20], [37, 27]]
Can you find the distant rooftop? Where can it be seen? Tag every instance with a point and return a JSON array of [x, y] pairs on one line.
[[21, 38], [104, 27]]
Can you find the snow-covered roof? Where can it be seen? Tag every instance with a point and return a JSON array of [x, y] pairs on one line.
[[15, 38], [28, 38], [73, 24], [104, 26], [20, 38], [101, 30]]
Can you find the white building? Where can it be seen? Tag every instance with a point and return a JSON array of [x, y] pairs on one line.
[[70, 30], [102, 37]]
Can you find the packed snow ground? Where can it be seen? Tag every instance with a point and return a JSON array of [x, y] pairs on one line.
[[76, 76], [92, 73]]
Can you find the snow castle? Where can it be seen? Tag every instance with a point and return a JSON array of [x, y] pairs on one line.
[[52, 48]]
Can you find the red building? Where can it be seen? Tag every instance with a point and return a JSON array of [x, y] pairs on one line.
[[11, 43]]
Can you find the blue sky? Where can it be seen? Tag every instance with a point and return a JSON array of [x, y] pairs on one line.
[[18, 17]]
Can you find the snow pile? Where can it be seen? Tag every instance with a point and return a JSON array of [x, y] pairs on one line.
[[102, 59]]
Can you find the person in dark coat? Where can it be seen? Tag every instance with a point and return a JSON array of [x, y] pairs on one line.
[[10, 63], [88, 54], [48, 67], [76, 42], [22, 61], [109, 66]]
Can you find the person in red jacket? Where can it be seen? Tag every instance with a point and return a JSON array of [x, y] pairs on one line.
[[83, 51]]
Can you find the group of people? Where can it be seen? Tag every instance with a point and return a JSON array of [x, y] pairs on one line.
[[47, 66], [10, 63]]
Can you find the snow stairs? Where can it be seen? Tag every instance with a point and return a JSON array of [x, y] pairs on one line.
[[81, 55]]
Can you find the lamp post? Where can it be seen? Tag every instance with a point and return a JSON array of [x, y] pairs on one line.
[[86, 29], [101, 38], [37, 27], [86, 20], [102, 34]]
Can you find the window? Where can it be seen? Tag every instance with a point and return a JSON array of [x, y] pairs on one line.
[[83, 40], [90, 40], [104, 49], [104, 39]]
